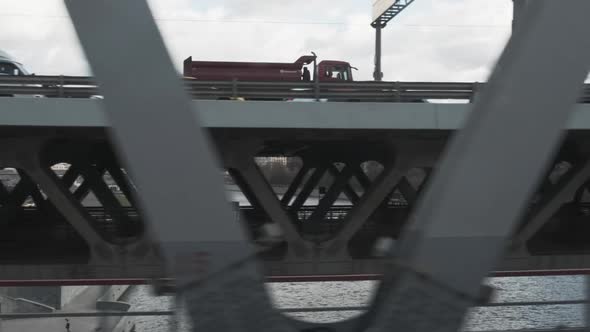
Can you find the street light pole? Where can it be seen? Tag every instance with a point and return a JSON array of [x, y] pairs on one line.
[[378, 74]]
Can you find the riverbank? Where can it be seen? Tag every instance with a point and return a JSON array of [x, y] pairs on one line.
[[92, 298]]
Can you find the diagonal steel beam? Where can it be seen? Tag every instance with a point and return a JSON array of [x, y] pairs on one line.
[[340, 182], [106, 197], [407, 190], [70, 176], [123, 183], [349, 191], [312, 182], [204, 248], [3, 192], [362, 178], [560, 194], [72, 210], [288, 196], [85, 187], [457, 235], [427, 175], [366, 206], [260, 194]]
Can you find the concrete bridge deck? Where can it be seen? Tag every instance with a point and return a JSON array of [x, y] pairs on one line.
[[69, 112]]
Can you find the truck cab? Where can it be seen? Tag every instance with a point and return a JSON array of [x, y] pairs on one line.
[[334, 71], [10, 67]]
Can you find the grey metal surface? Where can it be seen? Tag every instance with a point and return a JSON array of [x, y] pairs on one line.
[[518, 8], [269, 114], [227, 279], [210, 257], [587, 306], [455, 237], [562, 193]]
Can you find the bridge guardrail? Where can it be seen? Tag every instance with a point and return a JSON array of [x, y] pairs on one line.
[[84, 87]]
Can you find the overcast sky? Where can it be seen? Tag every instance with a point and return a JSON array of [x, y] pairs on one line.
[[432, 40]]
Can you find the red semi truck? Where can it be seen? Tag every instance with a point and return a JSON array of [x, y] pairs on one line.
[[300, 70]]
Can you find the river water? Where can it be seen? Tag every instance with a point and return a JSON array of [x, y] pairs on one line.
[[358, 293]]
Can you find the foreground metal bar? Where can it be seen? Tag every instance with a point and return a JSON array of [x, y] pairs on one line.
[[456, 237], [286, 310], [212, 252], [275, 278], [587, 306]]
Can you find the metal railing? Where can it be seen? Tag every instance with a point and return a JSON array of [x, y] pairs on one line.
[[84, 87], [285, 310]]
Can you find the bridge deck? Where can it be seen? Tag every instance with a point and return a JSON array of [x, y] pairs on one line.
[[264, 114]]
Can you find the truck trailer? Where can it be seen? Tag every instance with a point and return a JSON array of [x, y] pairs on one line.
[[305, 68]]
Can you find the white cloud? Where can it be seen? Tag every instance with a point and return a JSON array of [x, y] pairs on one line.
[[432, 40]]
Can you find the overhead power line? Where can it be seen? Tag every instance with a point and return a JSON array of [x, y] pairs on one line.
[[279, 22]]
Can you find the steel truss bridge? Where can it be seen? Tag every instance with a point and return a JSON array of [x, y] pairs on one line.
[[448, 207], [84, 219]]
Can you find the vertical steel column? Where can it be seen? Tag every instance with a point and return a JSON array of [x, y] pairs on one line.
[[378, 74], [456, 237]]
